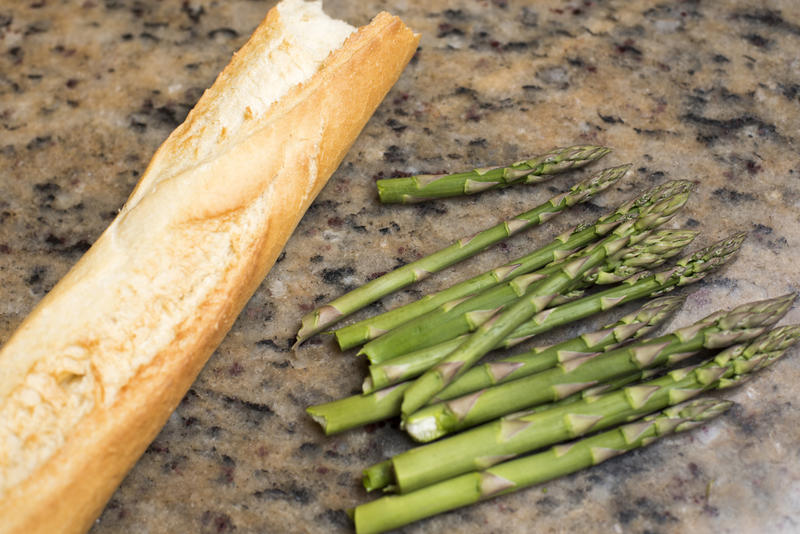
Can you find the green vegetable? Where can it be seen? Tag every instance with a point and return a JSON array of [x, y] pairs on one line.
[[562, 246], [535, 170], [394, 511], [535, 298], [577, 371], [506, 438]]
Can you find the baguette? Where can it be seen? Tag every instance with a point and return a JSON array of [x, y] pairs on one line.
[[93, 373]]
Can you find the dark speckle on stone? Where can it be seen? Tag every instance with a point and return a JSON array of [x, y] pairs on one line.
[[547, 502], [770, 18], [291, 493], [762, 229], [627, 47], [461, 90], [454, 14], [335, 276], [757, 40], [719, 58], [752, 167], [193, 11], [394, 154], [712, 129], [337, 518], [529, 17], [309, 448], [446, 29], [255, 410], [695, 470], [216, 522], [626, 515], [430, 208], [396, 125], [39, 142], [790, 91], [610, 119], [36, 276], [147, 36], [272, 345], [733, 196]]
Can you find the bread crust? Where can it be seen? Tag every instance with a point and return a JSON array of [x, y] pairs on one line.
[[253, 194]]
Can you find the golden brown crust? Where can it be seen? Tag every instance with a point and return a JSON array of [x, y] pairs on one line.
[[257, 190]]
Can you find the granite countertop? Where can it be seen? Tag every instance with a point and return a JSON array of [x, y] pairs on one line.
[[706, 91]]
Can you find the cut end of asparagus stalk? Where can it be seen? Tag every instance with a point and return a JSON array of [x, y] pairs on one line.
[[320, 419], [715, 331], [378, 476], [395, 511], [315, 322]]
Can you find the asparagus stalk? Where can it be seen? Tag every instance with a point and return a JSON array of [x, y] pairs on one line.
[[651, 252], [629, 328], [535, 299], [381, 476], [506, 438], [686, 271], [467, 314], [350, 412], [575, 372], [563, 245], [534, 170], [535, 360], [323, 317], [393, 511]]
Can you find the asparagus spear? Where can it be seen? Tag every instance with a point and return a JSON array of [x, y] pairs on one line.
[[575, 372], [651, 252], [686, 271], [393, 511], [535, 299], [535, 170], [509, 437], [381, 476], [629, 328], [323, 317], [350, 412], [370, 328], [467, 314], [634, 325]]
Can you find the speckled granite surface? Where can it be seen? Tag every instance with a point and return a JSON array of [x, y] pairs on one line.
[[705, 91]]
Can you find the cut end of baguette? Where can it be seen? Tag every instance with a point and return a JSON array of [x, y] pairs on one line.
[[92, 374]]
